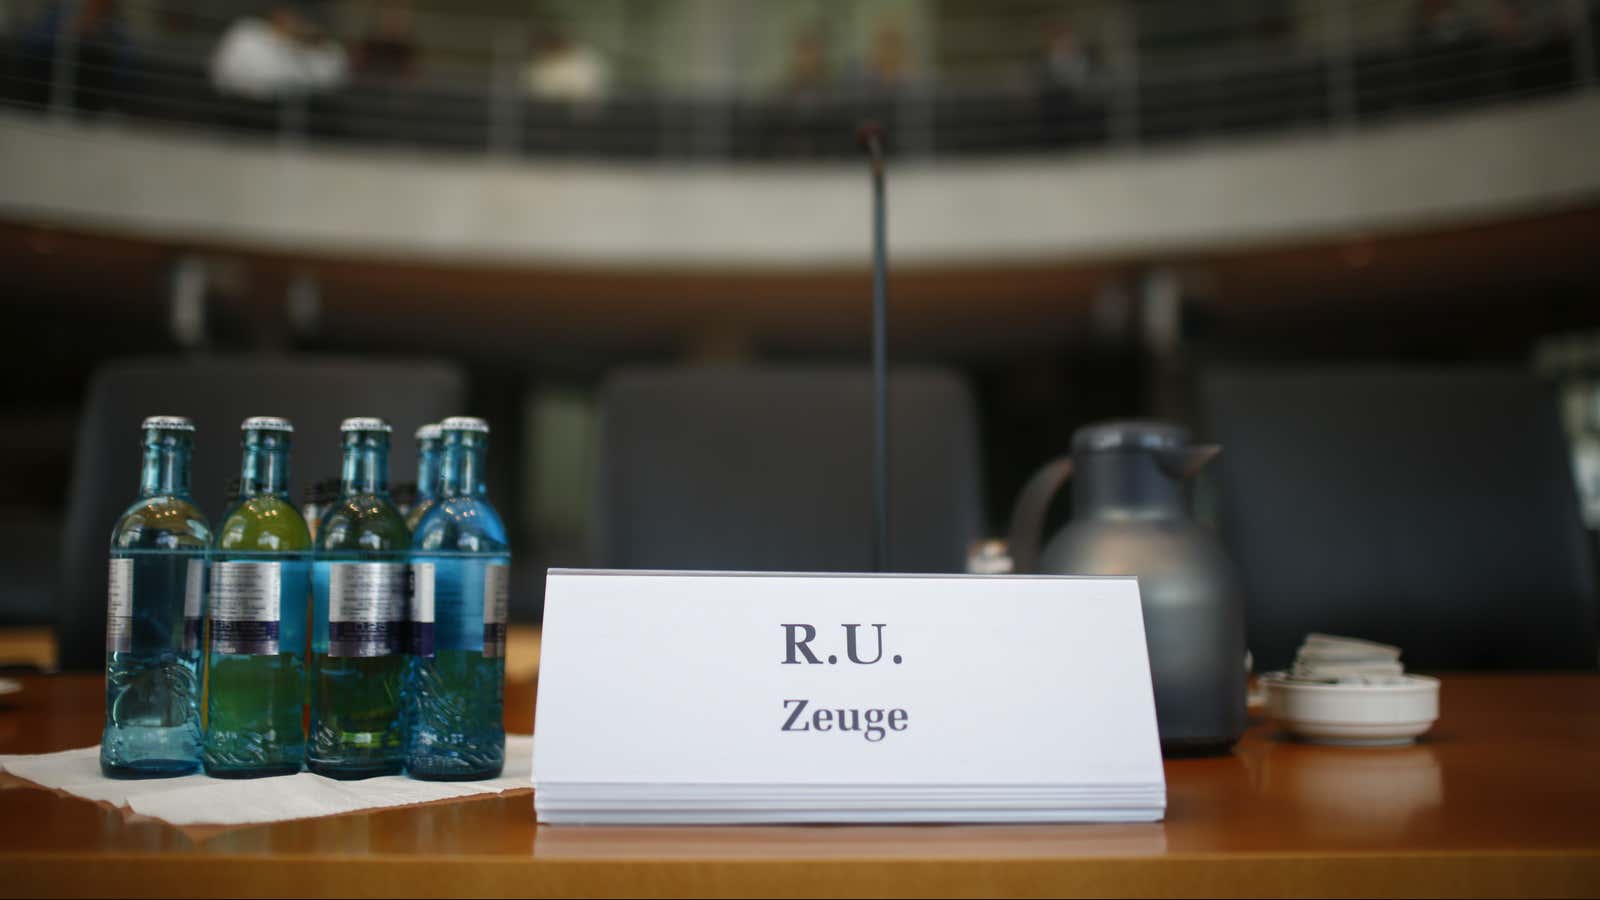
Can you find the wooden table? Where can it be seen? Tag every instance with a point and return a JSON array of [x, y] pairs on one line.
[[1503, 798]]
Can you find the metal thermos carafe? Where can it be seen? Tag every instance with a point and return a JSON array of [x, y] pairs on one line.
[[1130, 517]]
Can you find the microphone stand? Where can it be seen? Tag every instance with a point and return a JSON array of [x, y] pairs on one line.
[[870, 136]]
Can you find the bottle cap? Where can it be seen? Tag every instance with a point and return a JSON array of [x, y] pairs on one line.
[[464, 423], [364, 423], [266, 423], [429, 432], [169, 423]]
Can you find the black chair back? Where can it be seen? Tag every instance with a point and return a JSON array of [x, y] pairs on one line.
[[771, 470], [1429, 508]]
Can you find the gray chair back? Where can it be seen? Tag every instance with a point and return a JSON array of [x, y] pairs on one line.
[[218, 393], [768, 469], [1429, 508]]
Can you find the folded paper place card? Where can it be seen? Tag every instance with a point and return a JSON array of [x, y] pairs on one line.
[[707, 697]]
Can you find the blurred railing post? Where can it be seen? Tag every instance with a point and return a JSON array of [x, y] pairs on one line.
[[915, 112], [293, 116], [1211, 73], [64, 63], [713, 125], [1340, 54], [1582, 42], [669, 113], [1123, 54], [505, 100]]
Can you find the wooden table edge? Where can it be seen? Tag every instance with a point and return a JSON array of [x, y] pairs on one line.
[[1466, 873]]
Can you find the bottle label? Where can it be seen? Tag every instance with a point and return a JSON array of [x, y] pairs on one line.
[[366, 608], [245, 607], [460, 604], [422, 582], [496, 608], [193, 603], [119, 607]]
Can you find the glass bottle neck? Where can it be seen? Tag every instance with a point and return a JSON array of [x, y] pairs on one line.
[[462, 472], [427, 470], [266, 465], [366, 465], [166, 464]]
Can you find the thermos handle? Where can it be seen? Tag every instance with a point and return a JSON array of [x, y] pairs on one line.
[[1027, 519]]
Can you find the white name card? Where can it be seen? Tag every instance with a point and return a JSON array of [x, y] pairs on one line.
[[743, 697]]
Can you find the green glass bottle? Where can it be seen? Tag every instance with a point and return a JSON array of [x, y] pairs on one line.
[[359, 582], [256, 626], [430, 449]]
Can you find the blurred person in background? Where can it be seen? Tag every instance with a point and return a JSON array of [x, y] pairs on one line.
[[885, 74], [1440, 23], [285, 53], [888, 64], [101, 53], [803, 95], [1533, 41], [805, 76], [1508, 22], [1451, 58], [1067, 62], [566, 71], [389, 50], [1067, 75]]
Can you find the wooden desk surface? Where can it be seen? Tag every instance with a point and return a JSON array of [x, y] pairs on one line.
[[1503, 798]]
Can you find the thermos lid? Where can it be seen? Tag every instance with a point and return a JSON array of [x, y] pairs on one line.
[[169, 423], [364, 423], [1131, 434], [429, 432], [266, 423]]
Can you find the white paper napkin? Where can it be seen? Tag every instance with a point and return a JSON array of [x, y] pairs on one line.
[[201, 800], [1347, 660]]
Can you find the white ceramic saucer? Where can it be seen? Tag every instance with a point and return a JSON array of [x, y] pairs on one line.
[[1355, 714]]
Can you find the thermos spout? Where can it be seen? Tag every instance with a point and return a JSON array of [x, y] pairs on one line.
[[1187, 462]]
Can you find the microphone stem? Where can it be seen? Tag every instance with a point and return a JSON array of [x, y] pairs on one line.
[[880, 354]]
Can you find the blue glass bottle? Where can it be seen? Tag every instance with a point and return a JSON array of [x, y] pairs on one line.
[[154, 604], [461, 565], [429, 449], [360, 593], [256, 620]]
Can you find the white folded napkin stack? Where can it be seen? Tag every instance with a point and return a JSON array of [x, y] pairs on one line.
[[1332, 659]]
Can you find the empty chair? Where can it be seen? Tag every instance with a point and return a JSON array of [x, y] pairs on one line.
[[771, 470], [1429, 508], [218, 393], [28, 546]]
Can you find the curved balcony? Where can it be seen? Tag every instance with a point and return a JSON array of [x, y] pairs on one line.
[[1339, 73]]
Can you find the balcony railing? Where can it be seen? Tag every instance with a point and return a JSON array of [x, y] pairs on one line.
[[477, 106]]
